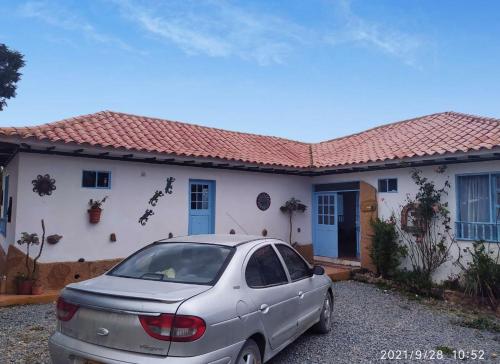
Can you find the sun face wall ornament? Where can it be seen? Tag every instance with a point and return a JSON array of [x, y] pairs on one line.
[[263, 201], [44, 185]]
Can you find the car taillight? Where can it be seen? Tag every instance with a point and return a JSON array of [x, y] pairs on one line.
[[173, 327], [65, 310]]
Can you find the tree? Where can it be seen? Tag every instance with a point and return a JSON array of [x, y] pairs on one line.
[[290, 207], [31, 240], [10, 63]]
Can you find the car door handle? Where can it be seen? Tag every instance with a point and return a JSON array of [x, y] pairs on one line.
[[264, 308], [301, 294]]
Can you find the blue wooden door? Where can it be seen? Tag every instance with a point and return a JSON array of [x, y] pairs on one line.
[[325, 217], [201, 207], [5, 207]]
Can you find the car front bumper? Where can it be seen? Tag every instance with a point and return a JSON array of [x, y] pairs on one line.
[[65, 349]]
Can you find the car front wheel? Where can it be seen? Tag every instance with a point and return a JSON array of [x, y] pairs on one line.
[[325, 321], [250, 354]]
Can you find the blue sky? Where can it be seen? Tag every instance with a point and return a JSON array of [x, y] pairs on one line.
[[307, 70]]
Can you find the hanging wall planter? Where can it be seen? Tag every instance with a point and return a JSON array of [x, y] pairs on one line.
[[94, 215], [95, 210]]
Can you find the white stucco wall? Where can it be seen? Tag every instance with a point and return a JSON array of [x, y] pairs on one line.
[[392, 202], [132, 185]]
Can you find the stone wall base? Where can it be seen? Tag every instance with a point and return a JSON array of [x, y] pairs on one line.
[[306, 251], [3, 261], [53, 276]]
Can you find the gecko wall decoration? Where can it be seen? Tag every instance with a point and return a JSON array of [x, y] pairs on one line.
[[144, 218], [154, 200], [170, 185]]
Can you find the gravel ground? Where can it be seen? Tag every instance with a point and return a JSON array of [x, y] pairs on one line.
[[367, 320], [24, 333]]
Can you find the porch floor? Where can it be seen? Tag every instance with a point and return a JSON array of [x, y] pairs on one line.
[[14, 299]]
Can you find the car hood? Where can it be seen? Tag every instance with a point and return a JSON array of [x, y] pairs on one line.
[[139, 288]]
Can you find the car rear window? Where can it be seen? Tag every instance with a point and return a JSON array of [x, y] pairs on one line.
[[176, 262]]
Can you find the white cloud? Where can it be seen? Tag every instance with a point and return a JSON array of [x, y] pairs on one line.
[[60, 17], [217, 29], [390, 41], [220, 28]]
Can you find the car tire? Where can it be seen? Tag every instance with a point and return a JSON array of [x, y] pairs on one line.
[[325, 320], [249, 354]]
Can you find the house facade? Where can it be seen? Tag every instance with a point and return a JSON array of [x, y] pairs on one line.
[[163, 178]]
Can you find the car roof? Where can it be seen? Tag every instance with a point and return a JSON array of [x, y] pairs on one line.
[[220, 239]]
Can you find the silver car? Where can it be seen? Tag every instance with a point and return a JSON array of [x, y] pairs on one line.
[[196, 299]]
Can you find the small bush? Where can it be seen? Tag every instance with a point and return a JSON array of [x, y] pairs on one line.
[[481, 276], [481, 323], [385, 252], [452, 282], [414, 281]]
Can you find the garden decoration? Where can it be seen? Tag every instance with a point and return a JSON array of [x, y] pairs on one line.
[[95, 210], [170, 185], [154, 200], [263, 201], [44, 185], [26, 281], [291, 207], [54, 239], [144, 218]]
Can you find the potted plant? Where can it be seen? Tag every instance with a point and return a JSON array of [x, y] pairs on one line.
[[290, 207], [23, 284], [37, 288], [95, 210], [25, 281]]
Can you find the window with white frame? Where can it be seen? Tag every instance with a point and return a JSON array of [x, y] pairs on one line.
[[96, 179], [478, 207], [388, 185]]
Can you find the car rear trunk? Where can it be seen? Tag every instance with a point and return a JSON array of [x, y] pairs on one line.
[[109, 310]]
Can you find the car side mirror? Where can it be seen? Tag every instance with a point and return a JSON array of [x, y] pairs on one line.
[[318, 270]]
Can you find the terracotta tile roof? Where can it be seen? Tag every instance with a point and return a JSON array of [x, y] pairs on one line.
[[137, 133], [436, 134], [430, 135]]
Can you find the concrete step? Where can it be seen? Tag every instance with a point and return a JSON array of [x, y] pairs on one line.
[[338, 272], [353, 262]]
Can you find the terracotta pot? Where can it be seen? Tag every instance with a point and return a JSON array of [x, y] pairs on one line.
[[24, 286], [94, 215], [36, 289]]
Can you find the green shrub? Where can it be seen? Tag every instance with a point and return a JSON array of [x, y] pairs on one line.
[[385, 251], [480, 323], [481, 276], [414, 281]]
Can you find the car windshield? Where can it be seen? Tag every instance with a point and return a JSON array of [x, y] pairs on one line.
[[176, 262]]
